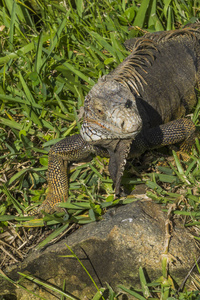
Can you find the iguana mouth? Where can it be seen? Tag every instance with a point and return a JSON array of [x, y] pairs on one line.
[[93, 130]]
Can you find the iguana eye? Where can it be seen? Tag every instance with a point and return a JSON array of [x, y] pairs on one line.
[[128, 104], [98, 108]]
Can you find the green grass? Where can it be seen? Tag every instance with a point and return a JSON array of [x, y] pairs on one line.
[[51, 54]]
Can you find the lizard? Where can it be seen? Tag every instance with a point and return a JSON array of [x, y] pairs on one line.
[[140, 105]]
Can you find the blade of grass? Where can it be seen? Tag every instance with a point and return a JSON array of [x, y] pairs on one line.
[[17, 175], [22, 51], [12, 24], [132, 293], [84, 268], [6, 218], [180, 173], [99, 294], [104, 44], [46, 285], [145, 289], [78, 205], [15, 203], [140, 17], [38, 58], [14, 125], [71, 67], [20, 286], [10, 99], [170, 23], [52, 236], [26, 89], [56, 37]]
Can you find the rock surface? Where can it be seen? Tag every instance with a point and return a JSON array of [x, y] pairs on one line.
[[112, 250]]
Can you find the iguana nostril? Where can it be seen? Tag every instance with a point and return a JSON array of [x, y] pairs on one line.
[[122, 125]]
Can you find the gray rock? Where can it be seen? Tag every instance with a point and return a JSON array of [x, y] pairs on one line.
[[112, 250]]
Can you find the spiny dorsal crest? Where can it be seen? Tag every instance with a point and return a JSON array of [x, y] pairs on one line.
[[127, 73], [191, 32]]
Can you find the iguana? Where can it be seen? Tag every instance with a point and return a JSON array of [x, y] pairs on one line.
[[139, 106]]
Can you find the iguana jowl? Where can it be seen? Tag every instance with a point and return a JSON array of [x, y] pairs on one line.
[[139, 106]]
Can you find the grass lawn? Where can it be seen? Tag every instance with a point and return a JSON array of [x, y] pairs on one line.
[[52, 53]]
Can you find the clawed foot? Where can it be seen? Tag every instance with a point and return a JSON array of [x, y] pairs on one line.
[[183, 155], [50, 205]]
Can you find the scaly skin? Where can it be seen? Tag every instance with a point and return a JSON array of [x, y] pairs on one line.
[[139, 106], [72, 148]]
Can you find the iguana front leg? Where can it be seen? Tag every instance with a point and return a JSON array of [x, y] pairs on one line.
[[181, 130], [72, 148]]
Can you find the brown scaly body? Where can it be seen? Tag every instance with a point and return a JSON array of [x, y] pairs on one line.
[[139, 106]]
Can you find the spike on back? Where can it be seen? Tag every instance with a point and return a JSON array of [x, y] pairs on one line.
[[127, 72], [142, 56]]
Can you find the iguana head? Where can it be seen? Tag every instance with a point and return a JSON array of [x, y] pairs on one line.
[[110, 112]]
